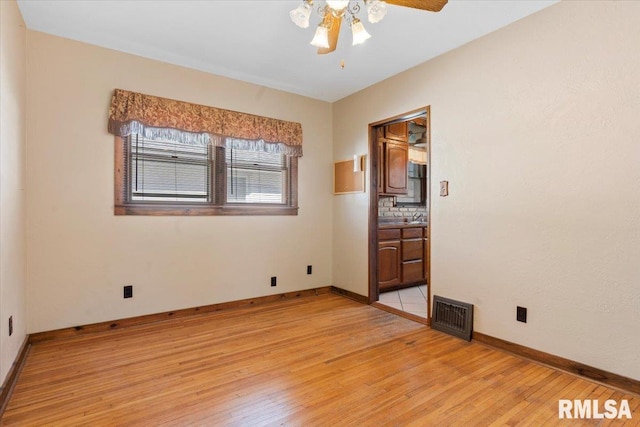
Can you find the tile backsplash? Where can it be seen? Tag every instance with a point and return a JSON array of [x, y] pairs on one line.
[[387, 208]]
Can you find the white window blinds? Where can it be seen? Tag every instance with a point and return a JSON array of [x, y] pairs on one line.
[[256, 177], [169, 171]]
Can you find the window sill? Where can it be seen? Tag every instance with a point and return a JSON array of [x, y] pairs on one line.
[[194, 210]]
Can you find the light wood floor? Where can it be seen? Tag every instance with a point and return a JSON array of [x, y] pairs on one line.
[[316, 361]]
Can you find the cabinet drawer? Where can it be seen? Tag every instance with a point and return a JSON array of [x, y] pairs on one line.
[[389, 234], [412, 271], [408, 233], [412, 249]]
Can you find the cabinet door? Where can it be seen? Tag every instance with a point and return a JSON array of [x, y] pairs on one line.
[[397, 131], [412, 271], [396, 161], [388, 264], [381, 167]]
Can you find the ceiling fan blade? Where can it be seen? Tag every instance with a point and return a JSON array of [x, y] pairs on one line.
[[334, 24], [430, 5]]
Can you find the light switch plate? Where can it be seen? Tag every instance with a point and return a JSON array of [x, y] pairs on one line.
[[444, 188]]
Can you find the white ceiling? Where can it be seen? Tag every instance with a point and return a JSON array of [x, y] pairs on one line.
[[255, 41]]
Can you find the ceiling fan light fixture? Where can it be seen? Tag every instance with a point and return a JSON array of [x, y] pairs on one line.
[[337, 4], [376, 10], [301, 14], [321, 38], [360, 35], [336, 12]]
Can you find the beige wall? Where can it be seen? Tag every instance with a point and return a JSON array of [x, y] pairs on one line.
[[537, 129], [81, 255], [12, 182]]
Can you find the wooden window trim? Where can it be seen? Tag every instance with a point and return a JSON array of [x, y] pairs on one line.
[[122, 207]]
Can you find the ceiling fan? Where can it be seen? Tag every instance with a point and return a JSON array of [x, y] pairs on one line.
[[334, 11]]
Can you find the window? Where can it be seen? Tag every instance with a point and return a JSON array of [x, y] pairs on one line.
[[177, 158], [160, 177], [168, 171], [256, 177], [416, 186]]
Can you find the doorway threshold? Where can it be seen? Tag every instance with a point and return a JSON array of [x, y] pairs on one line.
[[408, 302]]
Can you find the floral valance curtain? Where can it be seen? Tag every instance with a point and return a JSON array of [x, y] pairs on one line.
[[156, 117]]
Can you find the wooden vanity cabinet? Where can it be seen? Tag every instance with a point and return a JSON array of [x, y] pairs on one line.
[[402, 257]]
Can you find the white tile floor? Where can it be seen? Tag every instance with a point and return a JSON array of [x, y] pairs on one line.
[[412, 300]]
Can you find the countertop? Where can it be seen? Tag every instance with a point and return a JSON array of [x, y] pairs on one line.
[[399, 223]]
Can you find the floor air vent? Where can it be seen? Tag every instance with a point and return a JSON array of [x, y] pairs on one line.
[[452, 317]]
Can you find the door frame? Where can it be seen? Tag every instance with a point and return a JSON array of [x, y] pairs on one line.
[[373, 200]]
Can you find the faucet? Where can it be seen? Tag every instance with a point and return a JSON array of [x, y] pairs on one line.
[[416, 217]]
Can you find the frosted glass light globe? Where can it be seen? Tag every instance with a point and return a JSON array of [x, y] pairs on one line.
[[337, 4]]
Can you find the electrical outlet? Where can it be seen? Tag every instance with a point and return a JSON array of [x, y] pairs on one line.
[[128, 291], [309, 269], [273, 281], [521, 314], [10, 325]]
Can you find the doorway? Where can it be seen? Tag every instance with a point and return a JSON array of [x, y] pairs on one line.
[[399, 213]]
